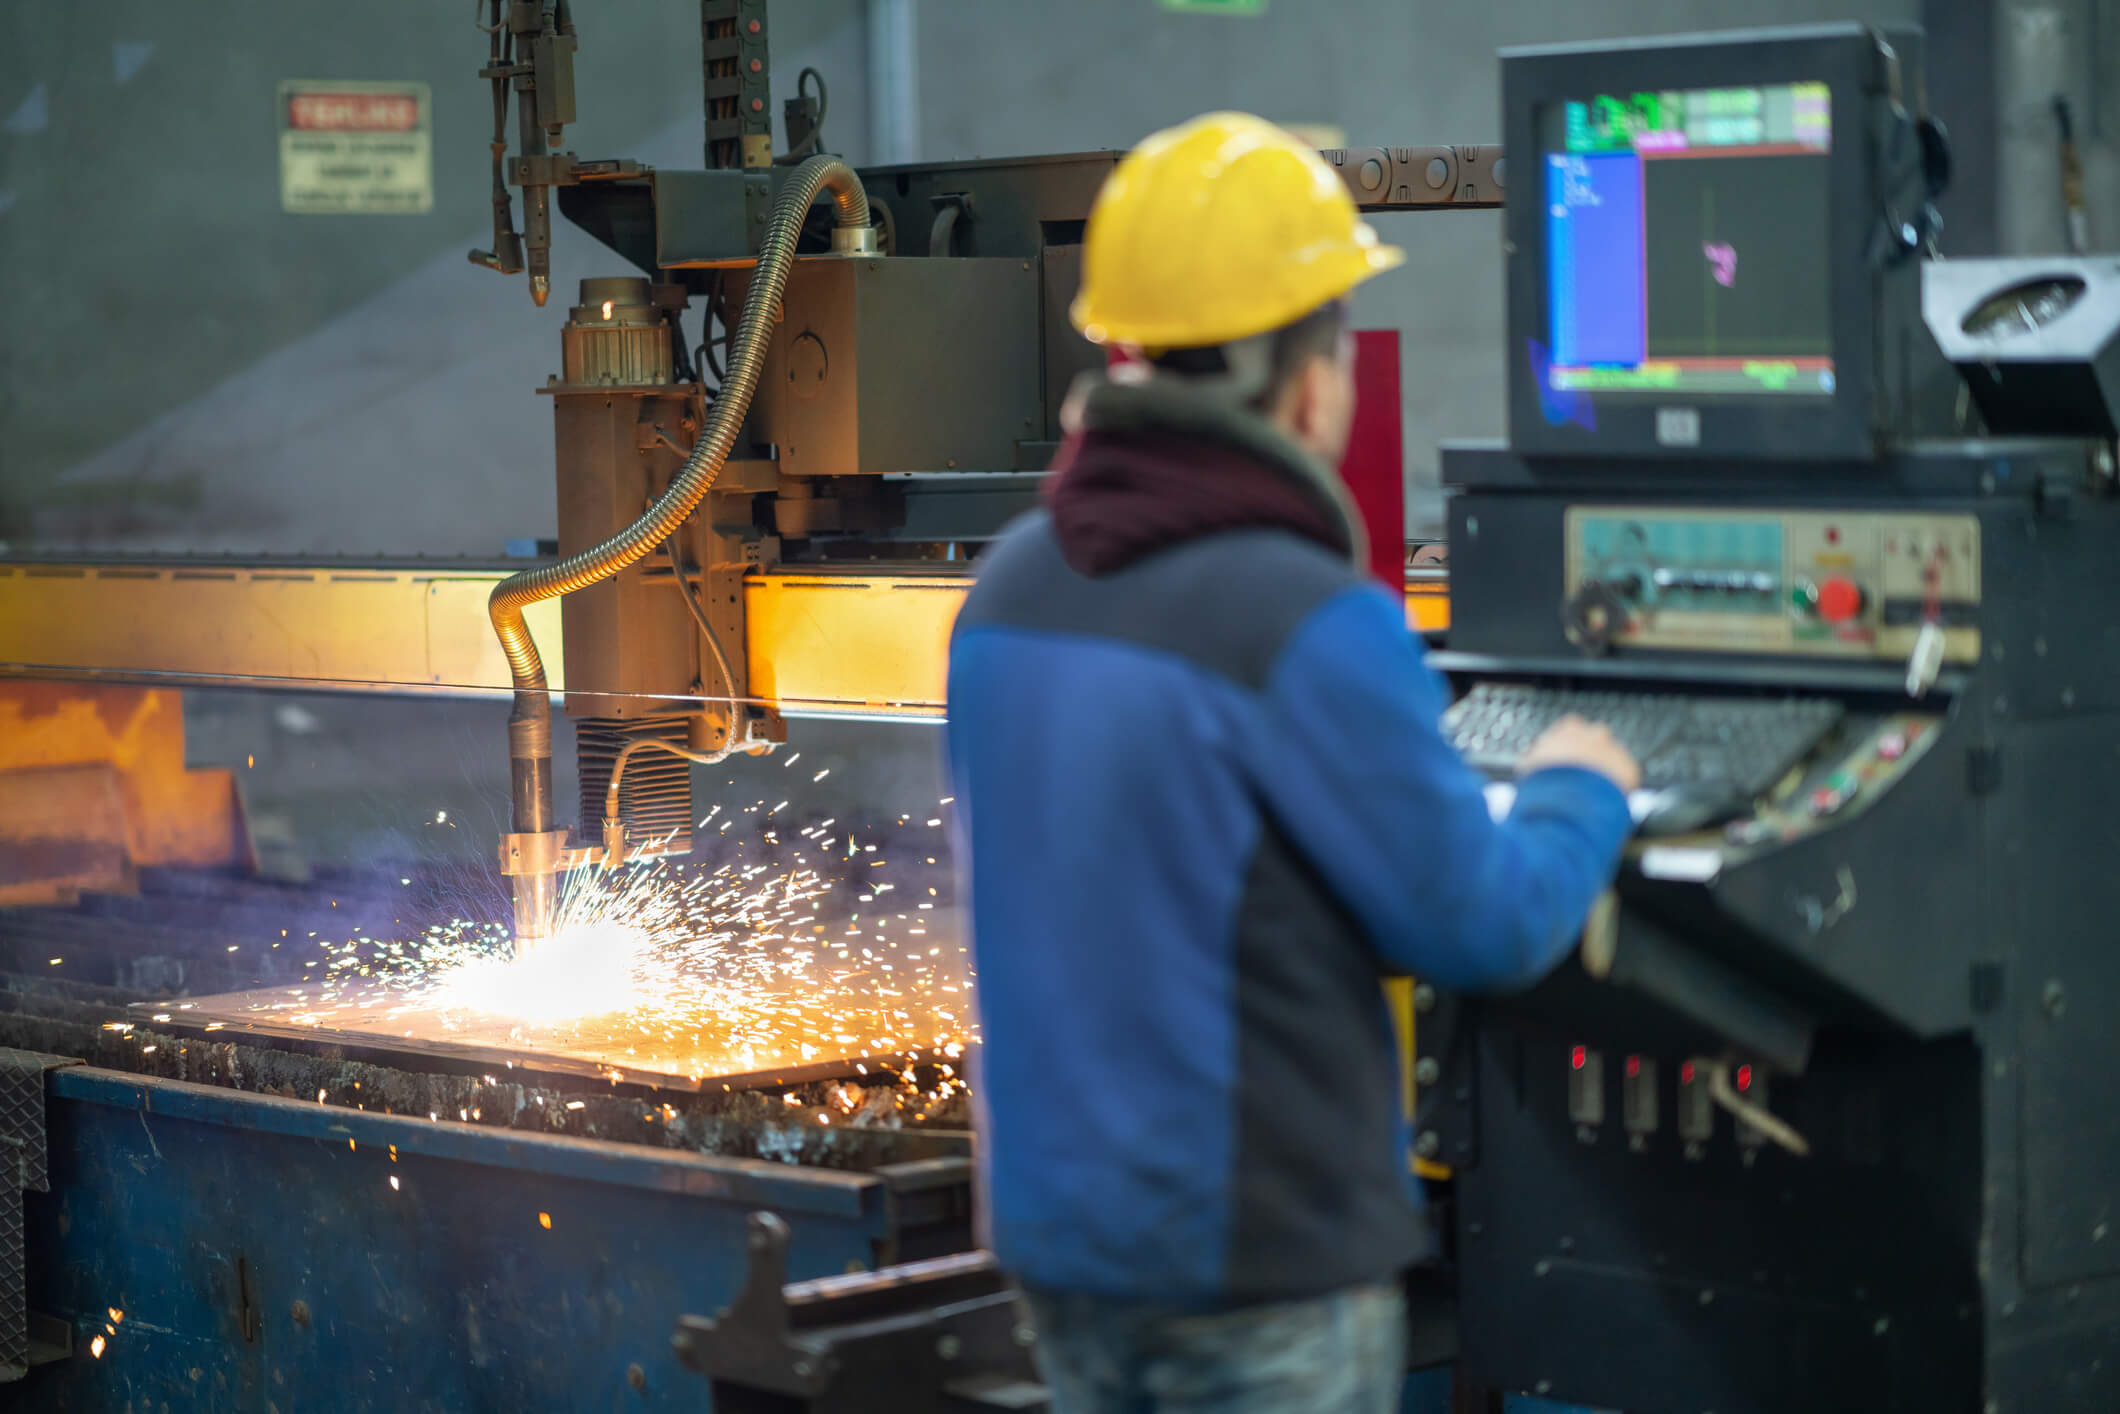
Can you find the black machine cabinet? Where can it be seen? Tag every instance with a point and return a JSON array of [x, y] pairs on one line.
[[1908, 963], [1821, 1116]]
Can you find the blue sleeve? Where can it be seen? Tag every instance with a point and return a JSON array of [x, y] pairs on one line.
[[1360, 776]]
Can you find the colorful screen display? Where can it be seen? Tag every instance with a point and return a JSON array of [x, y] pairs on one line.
[[1685, 242]]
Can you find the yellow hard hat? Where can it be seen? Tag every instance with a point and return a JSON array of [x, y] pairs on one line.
[[1216, 230]]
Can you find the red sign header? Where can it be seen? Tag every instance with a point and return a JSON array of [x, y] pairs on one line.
[[353, 112]]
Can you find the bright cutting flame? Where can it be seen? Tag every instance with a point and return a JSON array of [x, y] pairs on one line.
[[588, 967]]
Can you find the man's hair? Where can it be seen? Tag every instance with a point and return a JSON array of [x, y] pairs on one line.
[[1292, 346]]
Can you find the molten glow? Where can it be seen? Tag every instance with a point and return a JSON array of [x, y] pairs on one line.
[[589, 967]]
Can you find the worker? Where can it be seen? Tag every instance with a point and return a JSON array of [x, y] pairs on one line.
[[1203, 808]]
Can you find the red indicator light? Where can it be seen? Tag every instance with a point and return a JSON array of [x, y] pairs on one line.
[[1685, 1073], [1580, 1058], [1744, 1077], [1832, 535], [1634, 1067]]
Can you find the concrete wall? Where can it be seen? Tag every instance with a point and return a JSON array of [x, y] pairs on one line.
[[184, 366], [2044, 49]]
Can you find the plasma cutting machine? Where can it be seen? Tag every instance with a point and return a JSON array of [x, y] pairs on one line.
[[805, 432]]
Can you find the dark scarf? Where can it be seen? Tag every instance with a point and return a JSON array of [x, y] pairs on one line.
[[1152, 464]]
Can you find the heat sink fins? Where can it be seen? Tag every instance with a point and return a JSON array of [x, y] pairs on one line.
[[655, 795]]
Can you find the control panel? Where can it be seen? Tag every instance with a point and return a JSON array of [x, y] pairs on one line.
[[1831, 584], [1691, 1126]]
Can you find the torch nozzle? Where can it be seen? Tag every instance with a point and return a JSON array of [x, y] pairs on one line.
[[536, 902]]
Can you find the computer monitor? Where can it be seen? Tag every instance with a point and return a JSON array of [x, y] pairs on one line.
[[1685, 242], [1693, 256]]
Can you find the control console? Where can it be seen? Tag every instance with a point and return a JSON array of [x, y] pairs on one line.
[[1811, 1119], [1829, 584]]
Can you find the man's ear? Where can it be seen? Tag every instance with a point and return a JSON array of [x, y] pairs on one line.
[[1311, 398]]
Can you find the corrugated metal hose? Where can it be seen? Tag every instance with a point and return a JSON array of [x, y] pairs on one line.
[[711, 452]]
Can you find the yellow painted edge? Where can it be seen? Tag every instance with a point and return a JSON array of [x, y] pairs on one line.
[[821, 643]]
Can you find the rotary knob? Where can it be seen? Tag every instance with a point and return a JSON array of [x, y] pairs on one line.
[[1593, 616]]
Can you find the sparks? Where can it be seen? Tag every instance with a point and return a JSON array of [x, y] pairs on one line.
[[673, 968]]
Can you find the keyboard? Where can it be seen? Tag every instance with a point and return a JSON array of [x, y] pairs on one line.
[[1735, 746]]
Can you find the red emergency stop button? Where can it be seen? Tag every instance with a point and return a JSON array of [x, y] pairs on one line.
[[1839, 599]]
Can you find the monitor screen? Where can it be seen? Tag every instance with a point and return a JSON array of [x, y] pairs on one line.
[[1687, 238]]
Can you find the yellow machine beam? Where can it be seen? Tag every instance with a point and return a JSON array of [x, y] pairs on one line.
[[344, 628], [822, 642]]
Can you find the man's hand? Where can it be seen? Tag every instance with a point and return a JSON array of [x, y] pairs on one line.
[[1571, 741]]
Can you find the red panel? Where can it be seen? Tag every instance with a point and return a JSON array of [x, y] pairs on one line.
[[1375, 466]]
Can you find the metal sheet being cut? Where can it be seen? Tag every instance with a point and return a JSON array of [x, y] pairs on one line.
[[847, 1021]]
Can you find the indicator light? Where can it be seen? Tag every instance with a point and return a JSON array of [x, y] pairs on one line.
[[1685, 1073], [1580, 1057], [1744, 1077], [1634, 1067]]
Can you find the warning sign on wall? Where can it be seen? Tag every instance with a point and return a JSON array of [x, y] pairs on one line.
[[355, 147]]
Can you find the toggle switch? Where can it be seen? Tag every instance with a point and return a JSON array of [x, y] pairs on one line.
[[1586, 1088], [1637, 1101], [1696, 1109], [1751, 1086]]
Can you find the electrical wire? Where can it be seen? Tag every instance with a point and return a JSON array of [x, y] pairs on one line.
[[815, 139], [645, 743], [699, 616], [1724, 1094], [717, 313], [680, 358], [699, 613]]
